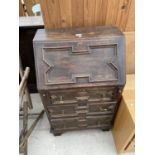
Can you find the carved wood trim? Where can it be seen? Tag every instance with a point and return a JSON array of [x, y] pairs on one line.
[[74, 50]]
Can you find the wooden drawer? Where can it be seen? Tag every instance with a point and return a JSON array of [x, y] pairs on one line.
[[103, 122], [101, 108], [83, 95], [87, 108], [62, 110], [99, 121], [64, 124]]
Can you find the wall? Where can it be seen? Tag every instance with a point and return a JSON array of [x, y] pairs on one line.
[[75, 13]]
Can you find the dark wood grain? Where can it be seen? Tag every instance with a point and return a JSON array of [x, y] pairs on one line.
[[80, 76]]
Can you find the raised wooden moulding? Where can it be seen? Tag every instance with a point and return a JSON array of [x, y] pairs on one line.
[[80, 75]]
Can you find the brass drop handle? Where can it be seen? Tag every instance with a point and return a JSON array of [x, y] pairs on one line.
[[82, 98], [103, 96], [103, 109], [53, 97], [61, 101]]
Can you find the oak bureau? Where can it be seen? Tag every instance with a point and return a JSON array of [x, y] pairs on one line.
[[80, 76]]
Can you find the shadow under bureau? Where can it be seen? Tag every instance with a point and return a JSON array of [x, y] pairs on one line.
[[80, 76]]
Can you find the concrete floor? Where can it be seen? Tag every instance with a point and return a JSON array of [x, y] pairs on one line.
[[85, 142]]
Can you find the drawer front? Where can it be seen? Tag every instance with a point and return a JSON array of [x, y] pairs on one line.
[[64, 124], [62, 111], [83, 95], [101, 108], [103, 121], [99, 121], [81, 110]]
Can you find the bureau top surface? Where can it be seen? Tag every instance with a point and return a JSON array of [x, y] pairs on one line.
[[76, 33]]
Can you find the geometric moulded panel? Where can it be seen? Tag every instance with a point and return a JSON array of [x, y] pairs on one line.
[[66, 65]]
